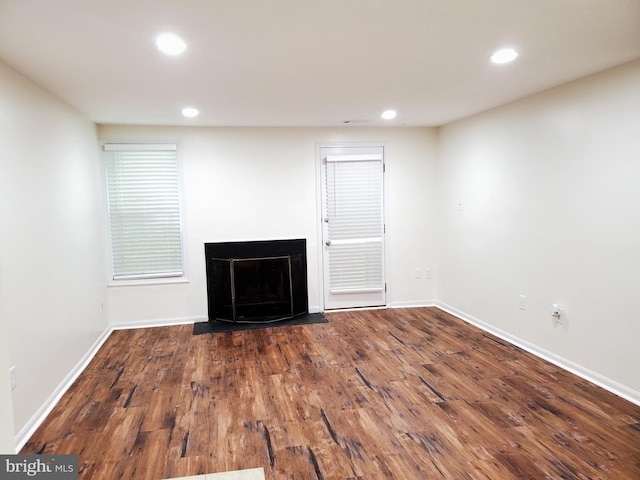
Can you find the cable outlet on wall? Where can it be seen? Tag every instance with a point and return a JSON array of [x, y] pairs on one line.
[[12, 376], [460, 205], [556, 313]]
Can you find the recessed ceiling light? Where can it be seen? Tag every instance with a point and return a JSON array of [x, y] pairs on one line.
[[190, 112], [505, 55], [389, 114], [170, 44]]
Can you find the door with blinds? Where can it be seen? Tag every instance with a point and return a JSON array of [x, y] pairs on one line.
[[353, 227]]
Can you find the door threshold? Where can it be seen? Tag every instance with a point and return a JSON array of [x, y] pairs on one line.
[[351, 309]]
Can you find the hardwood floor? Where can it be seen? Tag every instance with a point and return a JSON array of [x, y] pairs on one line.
[[378, 394]]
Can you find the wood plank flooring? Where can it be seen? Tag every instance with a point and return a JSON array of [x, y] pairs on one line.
[[379, 394]]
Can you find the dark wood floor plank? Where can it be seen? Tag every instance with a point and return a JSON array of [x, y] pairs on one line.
[[377, 394]]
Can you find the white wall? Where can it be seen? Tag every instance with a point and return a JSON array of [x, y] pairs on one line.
[[260, 183], [551, 209], [7, 437], [551, 192], [52, 240]]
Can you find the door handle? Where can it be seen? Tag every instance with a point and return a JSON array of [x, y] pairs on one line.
[[328, 243]]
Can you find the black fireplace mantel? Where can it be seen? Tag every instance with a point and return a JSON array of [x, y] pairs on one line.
[[256, 281]]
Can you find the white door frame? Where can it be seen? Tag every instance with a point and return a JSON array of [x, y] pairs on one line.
[[319, 230]]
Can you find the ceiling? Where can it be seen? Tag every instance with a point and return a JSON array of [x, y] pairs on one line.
[[309, 63]]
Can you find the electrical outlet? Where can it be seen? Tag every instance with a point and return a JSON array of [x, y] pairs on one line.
[[12, 376], [417, 273], [428, 273]]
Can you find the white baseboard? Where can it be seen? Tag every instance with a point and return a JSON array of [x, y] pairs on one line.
[[421, 303], [165, 322], [589, 375], [32, 425], [162, 322], [614, 387]]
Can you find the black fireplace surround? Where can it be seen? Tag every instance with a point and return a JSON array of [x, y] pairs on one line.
[[257, 281]]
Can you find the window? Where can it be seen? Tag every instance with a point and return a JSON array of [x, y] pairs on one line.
[[143, 195]]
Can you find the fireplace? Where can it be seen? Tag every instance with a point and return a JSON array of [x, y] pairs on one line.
[[258, 281]]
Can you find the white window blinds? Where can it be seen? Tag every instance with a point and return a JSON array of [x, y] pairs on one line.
[[355, 223], [143, 192]]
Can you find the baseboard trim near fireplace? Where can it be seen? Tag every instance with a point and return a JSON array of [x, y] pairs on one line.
[[157, 322], [166, 322]]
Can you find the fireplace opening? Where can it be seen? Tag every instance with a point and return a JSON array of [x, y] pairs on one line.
[[262, 281]]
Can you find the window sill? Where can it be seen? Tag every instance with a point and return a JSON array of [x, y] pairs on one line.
[[147, 281]]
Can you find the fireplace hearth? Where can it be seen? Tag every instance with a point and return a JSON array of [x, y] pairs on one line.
[[256, 281]]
